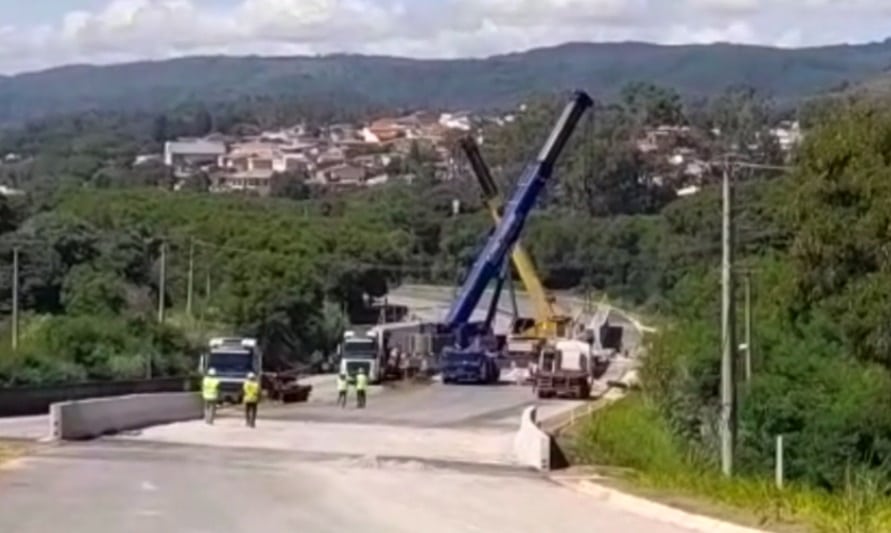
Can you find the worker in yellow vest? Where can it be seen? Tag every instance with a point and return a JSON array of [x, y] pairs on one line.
[[361, 388], [210, 392], [251, 395]]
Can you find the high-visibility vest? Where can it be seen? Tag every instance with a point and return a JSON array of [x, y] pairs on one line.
[[341, 384], [361, 382], [210, 388], [251, 391]]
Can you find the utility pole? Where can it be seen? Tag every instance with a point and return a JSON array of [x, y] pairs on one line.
[[191, 277], [162, 284], [748, 325], [728, 341], [15, 298]]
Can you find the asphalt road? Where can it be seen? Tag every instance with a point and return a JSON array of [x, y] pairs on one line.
[[430, 405], [110, 487]]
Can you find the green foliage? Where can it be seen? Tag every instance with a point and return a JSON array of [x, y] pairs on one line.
[[815, 244], [605, 439], [632, 434], [90, 347], [87, 291]]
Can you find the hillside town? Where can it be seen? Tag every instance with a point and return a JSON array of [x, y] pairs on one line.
[[335, 156], [348, 156]]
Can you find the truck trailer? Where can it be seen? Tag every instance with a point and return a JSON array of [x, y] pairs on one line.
[[565, 370]]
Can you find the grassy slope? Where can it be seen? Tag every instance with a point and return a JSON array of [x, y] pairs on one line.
[[630, 434]]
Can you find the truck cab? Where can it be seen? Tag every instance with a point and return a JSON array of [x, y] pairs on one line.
[[478, 363], [564, 370], [357, 351], [232, 358]]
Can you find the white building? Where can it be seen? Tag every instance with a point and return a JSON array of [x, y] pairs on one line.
[[457, 121], [194, 153]]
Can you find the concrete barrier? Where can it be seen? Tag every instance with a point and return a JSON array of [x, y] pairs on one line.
[[532, 446], [85, 419]]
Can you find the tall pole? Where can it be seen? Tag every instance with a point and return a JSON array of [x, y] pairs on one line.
[[191, 278], [728, 341], [162, 284], [15, 298], [748, 332]]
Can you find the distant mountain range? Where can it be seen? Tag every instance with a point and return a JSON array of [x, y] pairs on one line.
[[601, 68]]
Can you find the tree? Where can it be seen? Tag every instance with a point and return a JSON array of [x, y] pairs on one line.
[[650, 105], [160, 129], [87, 291], [7, 216], [290, 185], [197, 182], [741, 118], [203, 122], [330, 326]]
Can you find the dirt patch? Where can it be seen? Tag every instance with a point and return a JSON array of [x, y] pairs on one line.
[[10, 451]]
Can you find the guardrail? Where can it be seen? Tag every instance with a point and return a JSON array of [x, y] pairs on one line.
[[22, 401]]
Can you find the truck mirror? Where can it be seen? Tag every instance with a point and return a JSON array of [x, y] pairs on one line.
[[201, 362]]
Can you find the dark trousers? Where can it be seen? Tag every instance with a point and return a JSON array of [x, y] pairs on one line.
[[360, 398], [250, 414], [210, 410], [342, 398]]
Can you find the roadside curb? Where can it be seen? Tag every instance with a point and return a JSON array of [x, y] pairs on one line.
[[652, 510]]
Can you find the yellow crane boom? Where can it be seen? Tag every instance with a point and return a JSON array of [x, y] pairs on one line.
[[550, 320]]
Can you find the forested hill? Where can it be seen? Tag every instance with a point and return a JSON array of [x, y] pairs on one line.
[[785, 74]]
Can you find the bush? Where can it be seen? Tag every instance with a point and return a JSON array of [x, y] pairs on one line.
[[632, 433]]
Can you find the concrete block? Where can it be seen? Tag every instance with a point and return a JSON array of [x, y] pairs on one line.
[[532, 446], [85, 419]]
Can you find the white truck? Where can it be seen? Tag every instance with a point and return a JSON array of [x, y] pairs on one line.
[[357, 351], [232, 358], [565, 369]]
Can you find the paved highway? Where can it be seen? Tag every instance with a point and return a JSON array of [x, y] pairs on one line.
[[110, 487], [433, 405]]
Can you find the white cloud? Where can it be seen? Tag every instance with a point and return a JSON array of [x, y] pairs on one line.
[[727, 6], [135, 29]]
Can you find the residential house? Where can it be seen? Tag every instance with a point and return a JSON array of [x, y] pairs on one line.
[[252, 180], [333, 154], [341, 132], [455, 121], [788, 134], [343, 175], [386, 130], [193, 153]]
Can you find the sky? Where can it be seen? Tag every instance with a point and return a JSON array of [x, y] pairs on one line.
[[38, 34]]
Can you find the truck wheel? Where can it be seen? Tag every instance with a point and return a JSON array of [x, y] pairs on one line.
[[541, 394]]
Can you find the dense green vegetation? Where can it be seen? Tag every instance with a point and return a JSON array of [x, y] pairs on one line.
[[361, 82], [821, 372]]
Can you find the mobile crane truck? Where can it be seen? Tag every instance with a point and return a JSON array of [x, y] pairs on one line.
[[471, 357], [528, 336]]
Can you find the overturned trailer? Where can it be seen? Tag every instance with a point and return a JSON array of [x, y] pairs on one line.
[[410, 347]]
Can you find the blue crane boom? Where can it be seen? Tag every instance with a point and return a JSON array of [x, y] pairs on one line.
[[489, 263]]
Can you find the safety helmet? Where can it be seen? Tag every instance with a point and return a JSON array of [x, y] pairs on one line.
[[361, 370], [212, 372], [251, 375]]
